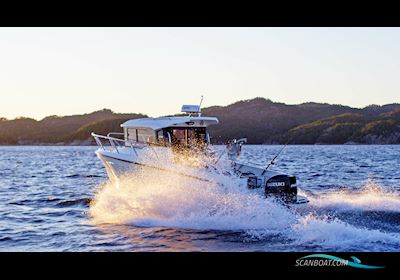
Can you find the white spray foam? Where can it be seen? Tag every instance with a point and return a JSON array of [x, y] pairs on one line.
[[336, 234], [371, 197], [160, 199]]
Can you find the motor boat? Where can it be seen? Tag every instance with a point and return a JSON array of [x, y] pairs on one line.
[[181, 145]]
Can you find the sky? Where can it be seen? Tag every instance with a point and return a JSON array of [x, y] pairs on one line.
[[66, 71]]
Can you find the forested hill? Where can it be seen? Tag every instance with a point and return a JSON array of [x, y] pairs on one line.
[[267, 122], [61, 130], [260, 120]]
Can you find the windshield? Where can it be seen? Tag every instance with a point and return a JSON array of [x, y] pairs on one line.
[[179, 136], [188, 137]]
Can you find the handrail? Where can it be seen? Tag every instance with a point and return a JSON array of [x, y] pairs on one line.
[[126, 141], [115, 143], [116, 133], [169, 137], [108, 137], [208, 138], [151, 148]]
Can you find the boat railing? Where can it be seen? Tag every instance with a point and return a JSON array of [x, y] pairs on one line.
[[115, 133], [118, 143]]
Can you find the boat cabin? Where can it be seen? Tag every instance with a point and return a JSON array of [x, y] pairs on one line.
[[183, 131]]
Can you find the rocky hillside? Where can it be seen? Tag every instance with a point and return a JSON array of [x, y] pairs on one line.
[[260, 120], [61, 130]]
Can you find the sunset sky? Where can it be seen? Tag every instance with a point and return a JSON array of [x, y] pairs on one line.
[[65, 71]]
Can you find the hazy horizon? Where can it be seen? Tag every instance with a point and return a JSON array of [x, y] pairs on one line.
[[68, 71]]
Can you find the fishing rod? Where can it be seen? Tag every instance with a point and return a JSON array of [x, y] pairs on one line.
[[220, 156], [272, 162]]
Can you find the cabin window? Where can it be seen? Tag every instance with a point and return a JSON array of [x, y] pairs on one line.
[[145, 135], [179, 135], [164, 137], [188, 136], [161, 138], [132, 134], [196, 135]]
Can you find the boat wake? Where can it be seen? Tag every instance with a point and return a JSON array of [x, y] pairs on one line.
[[167, 200], [370, 197]]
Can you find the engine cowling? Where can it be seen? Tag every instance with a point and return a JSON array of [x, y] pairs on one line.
[[282, 187]]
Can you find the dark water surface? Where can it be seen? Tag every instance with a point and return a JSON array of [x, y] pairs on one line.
[[354, 192]]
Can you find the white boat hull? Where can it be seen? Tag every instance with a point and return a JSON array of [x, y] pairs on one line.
[[119, 164], [116, 167]]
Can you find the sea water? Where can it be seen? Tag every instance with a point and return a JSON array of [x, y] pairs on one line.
[[60, 199]]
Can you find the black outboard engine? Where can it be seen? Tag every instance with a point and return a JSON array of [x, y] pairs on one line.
[[282, 187]]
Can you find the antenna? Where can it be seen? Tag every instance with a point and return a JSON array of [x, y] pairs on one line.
[[201, 101]]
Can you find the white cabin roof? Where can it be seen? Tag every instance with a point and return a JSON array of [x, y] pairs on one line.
[[158, 123]]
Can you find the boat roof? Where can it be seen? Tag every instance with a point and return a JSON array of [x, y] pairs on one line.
[[163, 122]]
